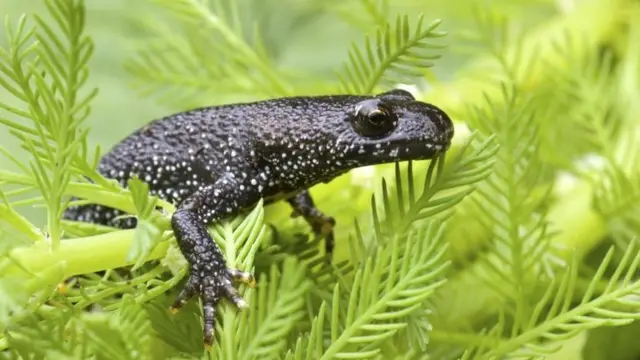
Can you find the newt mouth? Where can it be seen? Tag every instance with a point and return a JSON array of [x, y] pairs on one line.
[[419, 151], [372, 154]]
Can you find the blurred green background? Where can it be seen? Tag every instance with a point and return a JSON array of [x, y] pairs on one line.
[[299, 38]]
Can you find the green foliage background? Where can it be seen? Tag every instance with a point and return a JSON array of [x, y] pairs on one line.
[[519, 243]]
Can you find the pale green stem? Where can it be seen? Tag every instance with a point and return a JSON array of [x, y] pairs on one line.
[[81, 255]]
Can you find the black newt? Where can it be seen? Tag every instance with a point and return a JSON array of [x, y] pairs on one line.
[[213, 162]]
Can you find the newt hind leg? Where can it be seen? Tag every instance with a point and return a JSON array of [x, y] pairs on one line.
[[321, 224]]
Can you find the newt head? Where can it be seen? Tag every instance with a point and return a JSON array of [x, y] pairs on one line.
[[306, 140], [393, 126]]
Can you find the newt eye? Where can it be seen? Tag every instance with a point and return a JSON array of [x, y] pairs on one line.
[[374, 120]]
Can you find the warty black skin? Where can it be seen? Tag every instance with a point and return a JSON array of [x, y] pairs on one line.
[[215, 162]]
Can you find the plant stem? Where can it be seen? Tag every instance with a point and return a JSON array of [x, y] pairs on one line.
[[79, 255]]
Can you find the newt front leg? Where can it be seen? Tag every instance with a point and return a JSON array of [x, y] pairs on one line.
[[209, 275]]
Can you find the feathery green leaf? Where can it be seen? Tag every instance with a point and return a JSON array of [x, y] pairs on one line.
[[396, 54], [396, 271]]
